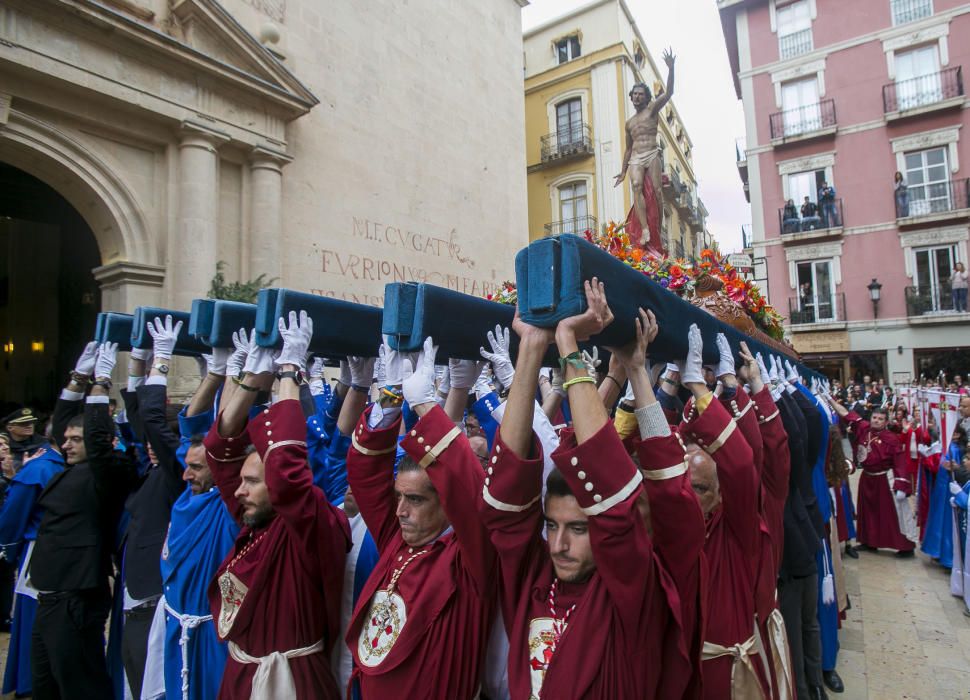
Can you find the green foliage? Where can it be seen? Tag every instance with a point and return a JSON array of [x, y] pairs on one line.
[[236, 291]]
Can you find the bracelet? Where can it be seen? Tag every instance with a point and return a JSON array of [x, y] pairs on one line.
[[574, 358], [103, 382], [613, 379], [668, 380], [216, 375], [79, 378], [246, 387], [578, 380], [362, 389]]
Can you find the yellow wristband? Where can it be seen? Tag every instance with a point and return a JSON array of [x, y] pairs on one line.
[[703, 402], [578, 380]]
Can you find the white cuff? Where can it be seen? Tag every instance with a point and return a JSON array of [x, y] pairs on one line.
[[134, 383], [98, 399], [652, 421], [68, 395], [157, 380]]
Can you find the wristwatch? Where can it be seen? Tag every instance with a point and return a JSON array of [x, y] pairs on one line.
[[161, 367], [295, 375]]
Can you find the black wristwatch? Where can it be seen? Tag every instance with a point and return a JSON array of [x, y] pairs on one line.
[[295, 375]]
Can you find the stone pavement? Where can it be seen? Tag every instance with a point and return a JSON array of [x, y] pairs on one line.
[[905, 636]]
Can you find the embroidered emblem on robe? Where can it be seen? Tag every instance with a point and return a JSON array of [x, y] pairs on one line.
[[233, 593], [542, 645], [383, 626]]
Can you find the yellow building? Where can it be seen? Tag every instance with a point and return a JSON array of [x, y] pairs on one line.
[[579, 69]]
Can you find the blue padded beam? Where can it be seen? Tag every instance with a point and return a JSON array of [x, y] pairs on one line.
[[185, 345], [214, 320], [114, 328], [340, 327], [550, 273], [457, 322], [200, 321]]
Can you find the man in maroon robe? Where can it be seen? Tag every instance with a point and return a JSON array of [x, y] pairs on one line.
[[422, 620], [589, 613], [879, 452], [276, 597]]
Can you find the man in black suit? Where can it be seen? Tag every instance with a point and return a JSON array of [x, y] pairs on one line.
[[71, 560]]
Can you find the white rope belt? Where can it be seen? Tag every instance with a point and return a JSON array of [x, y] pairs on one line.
[[273, 677], [744, 679], [187, 623]]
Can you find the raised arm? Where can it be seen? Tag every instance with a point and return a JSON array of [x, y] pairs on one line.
[[69, 403], [661, 101]]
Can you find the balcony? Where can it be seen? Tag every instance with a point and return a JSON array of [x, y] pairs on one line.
[[577, 226], [815, 313], [795, 44], [826, 222], [906, 11], [932, 303], [801, 123], [935, 202], [571, 143], [927, 93]]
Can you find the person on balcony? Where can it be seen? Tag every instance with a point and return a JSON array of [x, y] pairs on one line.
[[901, 195], [958, 287], [826, 198], [810, 218], [790, 220]]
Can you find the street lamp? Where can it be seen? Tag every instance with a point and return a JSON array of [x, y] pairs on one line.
[[874, 288]]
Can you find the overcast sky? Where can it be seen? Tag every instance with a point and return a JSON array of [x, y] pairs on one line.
[[704, 95]]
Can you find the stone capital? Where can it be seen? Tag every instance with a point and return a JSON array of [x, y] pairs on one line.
[[266, 158], [123, 272], [193, 134]]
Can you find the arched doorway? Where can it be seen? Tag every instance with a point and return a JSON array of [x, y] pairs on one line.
[[49, 298]]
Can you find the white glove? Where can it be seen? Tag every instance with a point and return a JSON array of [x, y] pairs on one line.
[[419, 387], [105, 362], [203, 361], [692, 370], [955, 488], [442, 373], [361, 370], [791, 374], [296, 339], [900, 496], [140, 354], [218, 361], [482, 385], [765, 377], [315, 370], [237, 360], [557, 381], [499, 356], [380, 370], [259, 360], [773, 372], [395, 364], [164, 336], [346, 378], [726, 364], [85, 363], [592, 361], [464, 373]]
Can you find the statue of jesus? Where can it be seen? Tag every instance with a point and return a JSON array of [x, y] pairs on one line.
[[642, 156]]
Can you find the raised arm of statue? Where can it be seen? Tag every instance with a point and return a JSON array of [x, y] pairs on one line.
[[661, 101]]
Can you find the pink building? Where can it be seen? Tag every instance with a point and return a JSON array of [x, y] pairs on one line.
[[843, 95]]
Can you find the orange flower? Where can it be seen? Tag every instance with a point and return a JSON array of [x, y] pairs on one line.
[[707, 253], [637, 255], [676, 271]]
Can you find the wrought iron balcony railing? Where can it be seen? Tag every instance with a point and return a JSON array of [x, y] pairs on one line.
[[923, 91], [578, 226], [567, 143], [803, 120], [796, 44], [827, 215], [816, 308], [905, 11], [925, 299], [934, 198]]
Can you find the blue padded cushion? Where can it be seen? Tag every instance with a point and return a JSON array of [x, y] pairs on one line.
[[200, 322], [457, 322], [229, 316], [339, 327], [185, 345], [550, 273], [114, 327]]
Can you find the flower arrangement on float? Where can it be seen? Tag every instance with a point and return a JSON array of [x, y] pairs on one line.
[[678, 275]]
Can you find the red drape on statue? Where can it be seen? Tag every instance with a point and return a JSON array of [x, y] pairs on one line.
[[650, 243]]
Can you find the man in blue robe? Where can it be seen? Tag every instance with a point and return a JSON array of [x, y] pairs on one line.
[[19, 520]]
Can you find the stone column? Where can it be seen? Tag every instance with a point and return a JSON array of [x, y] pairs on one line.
[[266, 212], [192, 248]]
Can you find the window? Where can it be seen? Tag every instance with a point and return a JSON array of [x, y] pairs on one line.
[[638, 56], [927, 177], [905, 11], [816, 292], [569, 122], [573, 208], [932, 276], [806, 184], [918, 80], [567, 49], [801, 111], [794, 29]]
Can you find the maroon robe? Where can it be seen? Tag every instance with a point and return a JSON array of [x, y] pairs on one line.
[[294, 572], [446, 597], [623, 640], [734, 546], [877, 524], [678, 538]]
